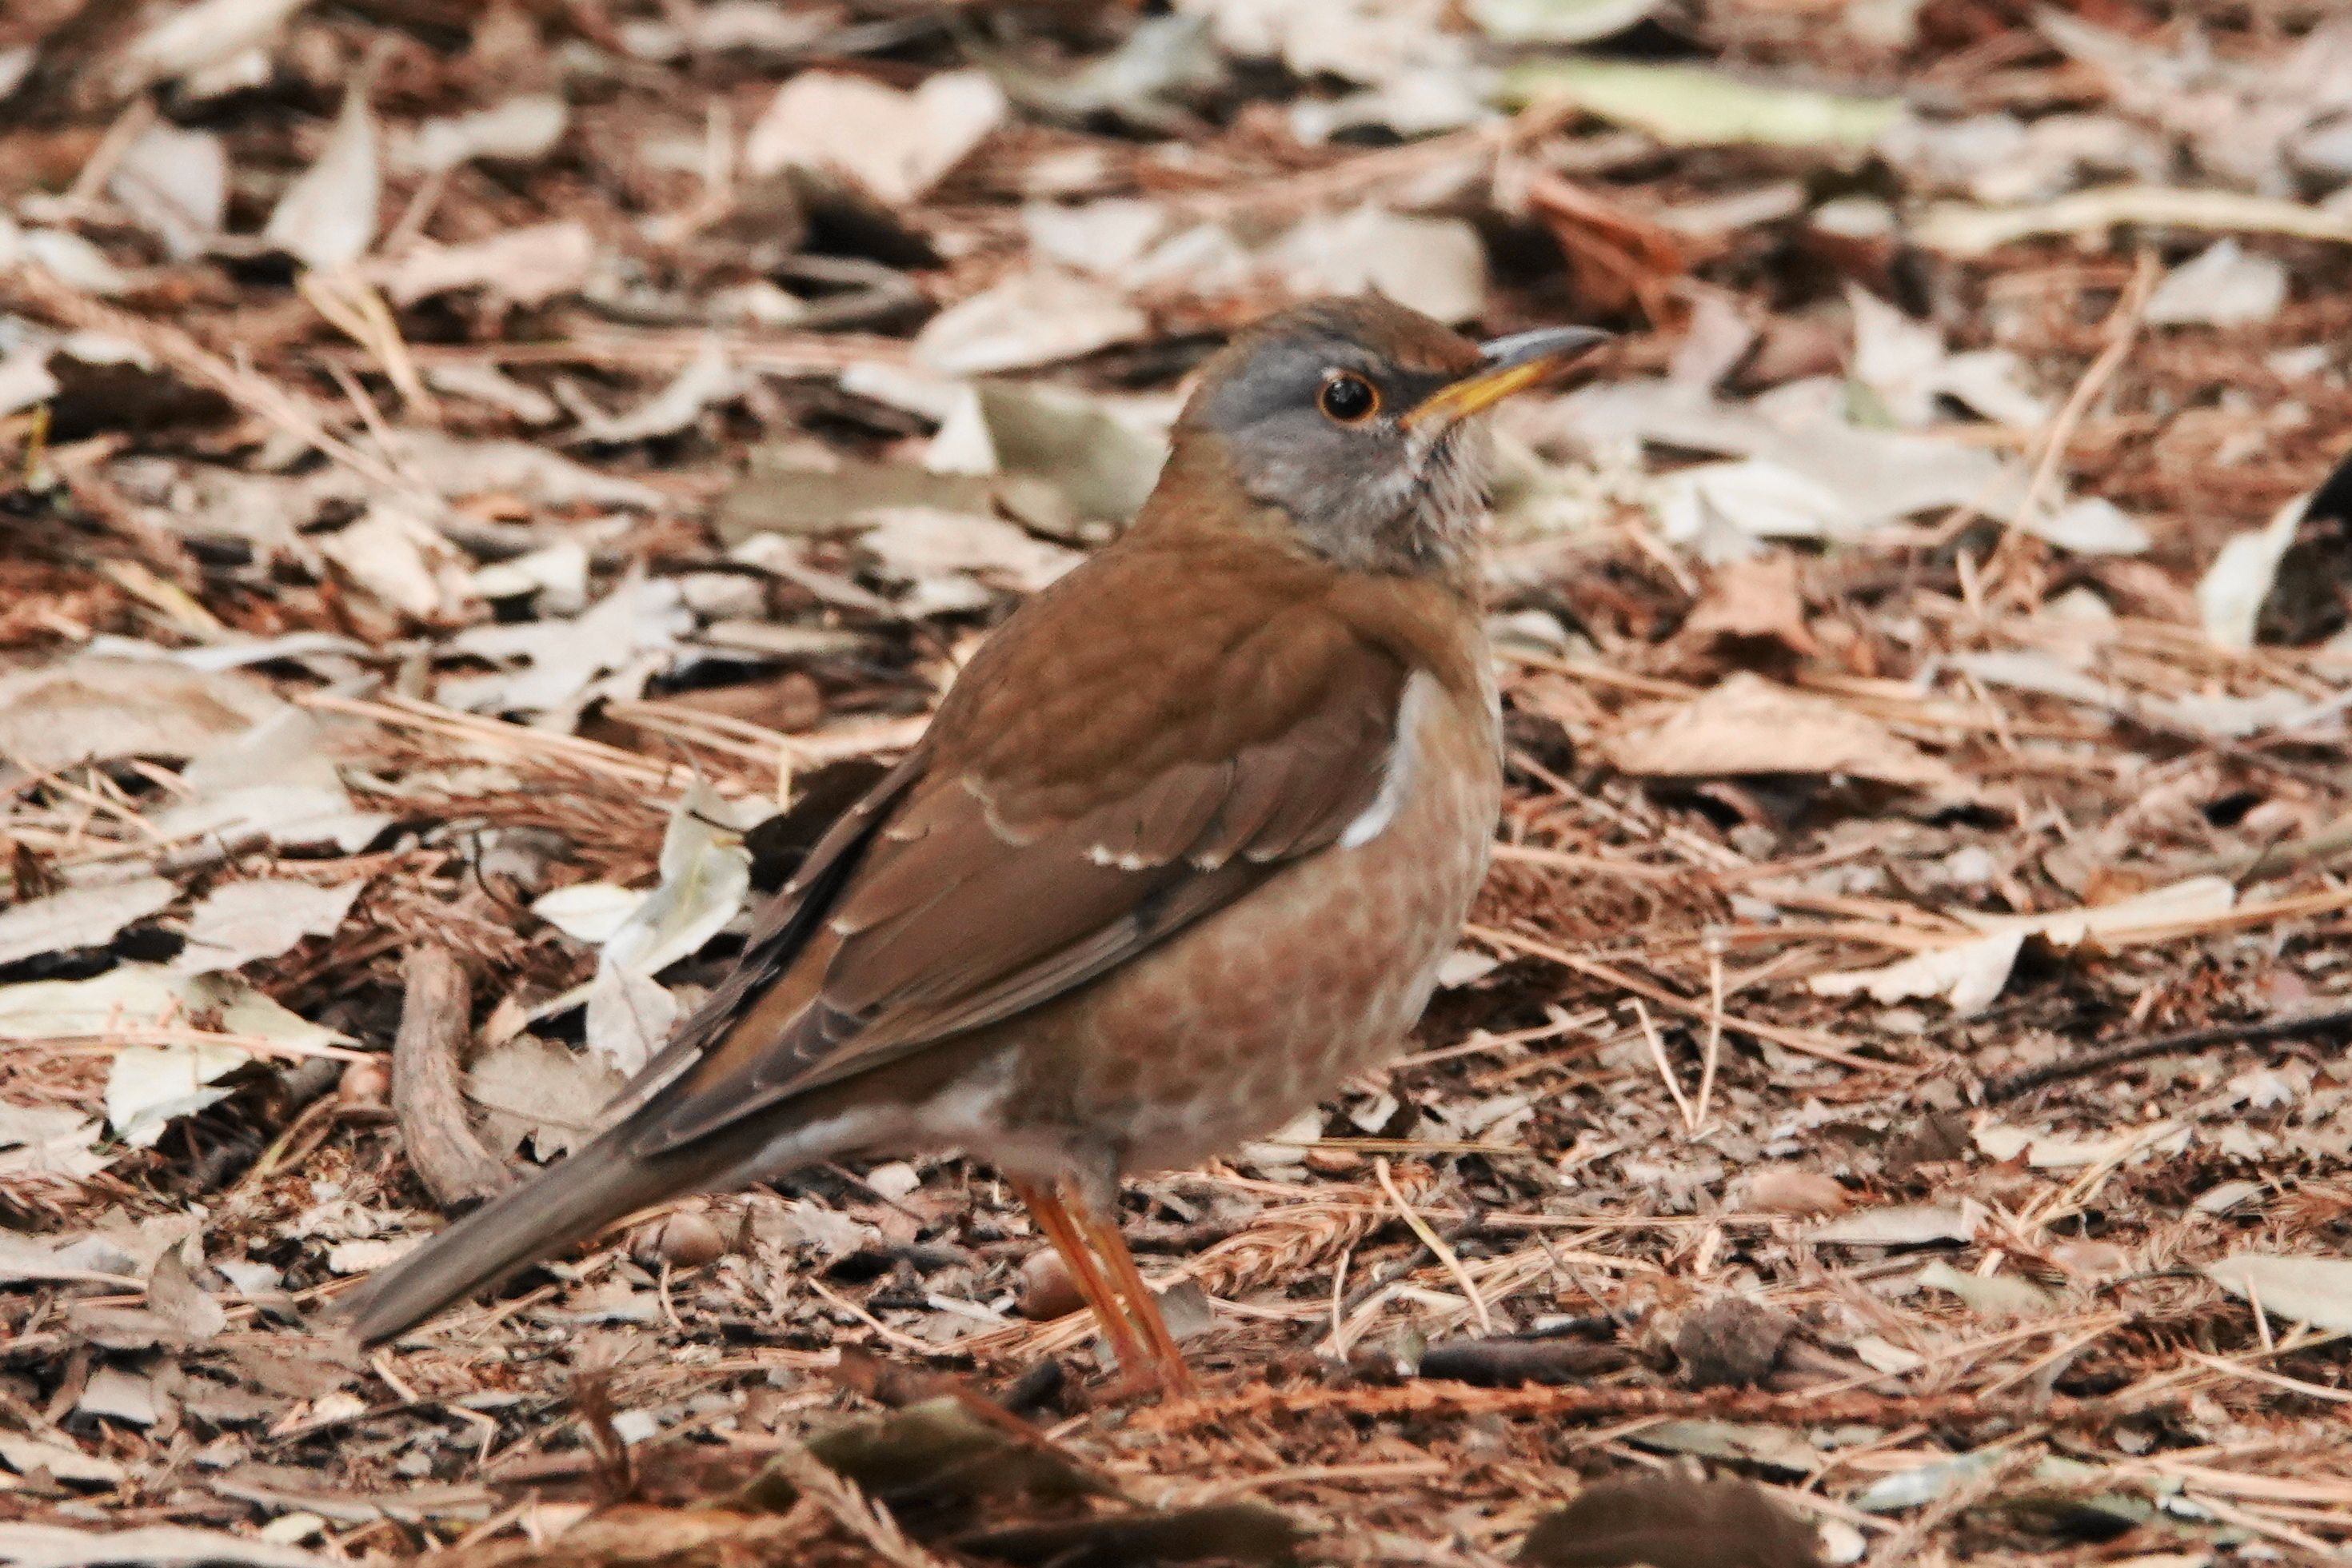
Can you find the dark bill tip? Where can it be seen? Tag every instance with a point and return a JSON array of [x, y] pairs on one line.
[[1548, 345]]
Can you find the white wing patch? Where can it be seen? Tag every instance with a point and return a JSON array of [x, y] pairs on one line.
[[1420, 691]]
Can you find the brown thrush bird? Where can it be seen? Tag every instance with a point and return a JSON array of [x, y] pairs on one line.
[[1181, 852]]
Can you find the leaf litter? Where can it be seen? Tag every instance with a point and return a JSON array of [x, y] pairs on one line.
[[494, 483]]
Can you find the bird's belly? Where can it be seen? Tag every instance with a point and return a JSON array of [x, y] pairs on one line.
[[1234, 1026]]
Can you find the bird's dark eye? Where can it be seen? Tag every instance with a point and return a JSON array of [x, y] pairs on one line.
[[1347, 397]]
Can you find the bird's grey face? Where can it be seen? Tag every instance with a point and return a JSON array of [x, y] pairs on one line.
[[1375, 451]]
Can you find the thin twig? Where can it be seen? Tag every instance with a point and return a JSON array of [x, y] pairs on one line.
[[1436, 1245], [2082, 1066], [1665, 1069]]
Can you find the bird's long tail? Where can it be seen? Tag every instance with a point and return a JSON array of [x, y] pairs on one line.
[[553, 1208]]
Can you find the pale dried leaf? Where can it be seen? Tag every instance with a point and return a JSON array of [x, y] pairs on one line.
[[48, 1142], [926, 549], [241, 922], [1102, 456], [25, 380], [558, 662], [588, 911], [1687, 106], [528, 266], [1749, 725], [2003, 1296], [327, 218], [1036, 318], [175, 182], [76, 262], [149, 1085], [2230, 594], [2221, 285], [1436, 265], [401, 559], [97, 709], [708, 379], [897, 145], [1961, 230], [275, 781], [79, 917], [1901, 1225], [173, 1295], [521, 130], [2315, 1291], [1785, 1190], [534, 1089], [118, 1394], [1970, 975], [459, 468], [1555, 21], [33, 1455], [2093, 526], [146, 1546], [194, 38], [629, 1015]]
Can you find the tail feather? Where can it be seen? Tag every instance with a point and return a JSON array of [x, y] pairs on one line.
[[553, 1208]]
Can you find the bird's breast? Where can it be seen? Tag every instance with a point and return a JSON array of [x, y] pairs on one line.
[[1230, 1029]]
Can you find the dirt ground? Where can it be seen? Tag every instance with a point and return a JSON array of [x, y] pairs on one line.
[[484, 485]]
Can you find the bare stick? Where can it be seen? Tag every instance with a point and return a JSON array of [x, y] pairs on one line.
[[2091, 1061], [434, 1022]]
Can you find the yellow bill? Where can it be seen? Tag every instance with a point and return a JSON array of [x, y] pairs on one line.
[[1510, 364]]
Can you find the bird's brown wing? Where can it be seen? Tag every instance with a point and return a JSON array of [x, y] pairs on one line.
[[1041, 841]]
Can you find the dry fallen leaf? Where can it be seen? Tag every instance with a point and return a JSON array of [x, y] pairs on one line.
[[175, 182], [48, 1142], [528, 266], [895, 145], [1901, 1225], [708, 379], [275, 781], [706, 875], [2230, 594], [60, 1461], [2223, 286], [195, 38], [1968, 975], [1036, 318], [1785, 1190], [241, 922], [520, 130], [95, 709], [327, 218], [79, 917], [396, 553], [1757, 600], [1971, 973], [1749, 725], [149, 1546], [149, 1085], [1436, 265], [2315, 1291], [534, 1089]]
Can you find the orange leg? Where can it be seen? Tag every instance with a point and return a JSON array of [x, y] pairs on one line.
[[1053, 1217], [1167, 1366]]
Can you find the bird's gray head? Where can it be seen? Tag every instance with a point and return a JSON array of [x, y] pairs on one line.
[[1354, 419]]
